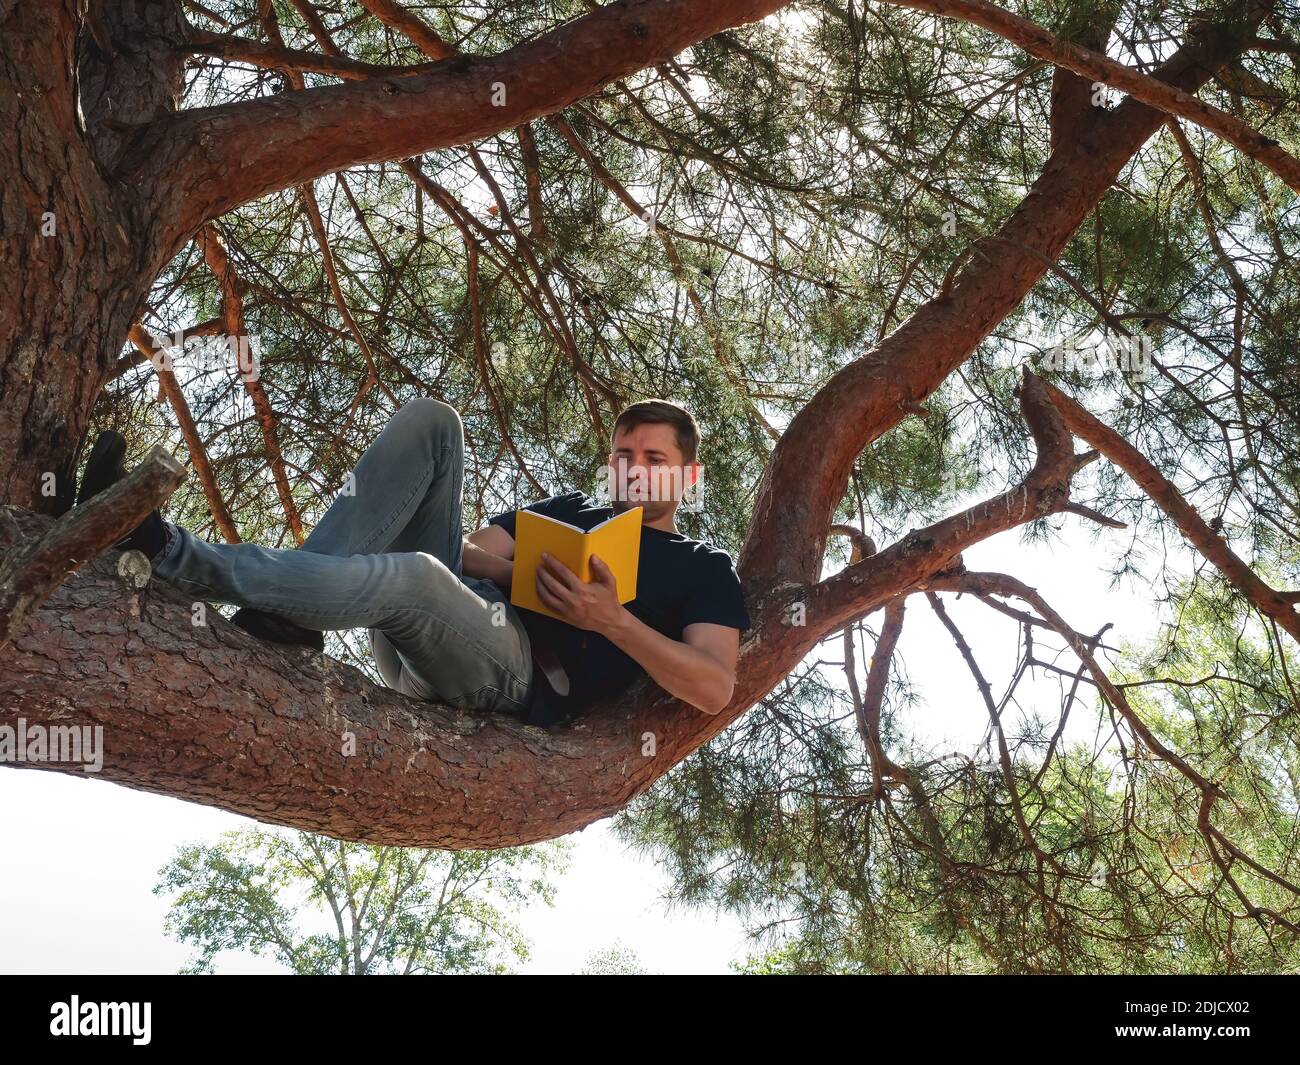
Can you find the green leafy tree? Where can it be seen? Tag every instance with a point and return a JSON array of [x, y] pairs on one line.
[[319, 905], [614, 960]]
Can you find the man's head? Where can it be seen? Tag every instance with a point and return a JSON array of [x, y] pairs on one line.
[[652, 458]]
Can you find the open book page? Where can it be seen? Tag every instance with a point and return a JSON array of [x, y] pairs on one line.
[[617, 541], [618, 544]]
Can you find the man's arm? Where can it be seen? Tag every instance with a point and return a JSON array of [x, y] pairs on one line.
[[701, 669], [488, 553]]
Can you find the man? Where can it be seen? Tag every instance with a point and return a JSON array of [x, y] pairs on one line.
[[390, 555]]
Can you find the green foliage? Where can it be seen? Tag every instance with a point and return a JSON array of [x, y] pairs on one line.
[[615, 960], [317, 905]]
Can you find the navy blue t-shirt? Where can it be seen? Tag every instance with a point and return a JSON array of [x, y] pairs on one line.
[[679, 582]]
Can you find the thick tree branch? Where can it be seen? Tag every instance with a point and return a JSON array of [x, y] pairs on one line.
[[1172, 100], [1072, 95], [210, 714], [203, 162], [264, 729], [806, 477], [128, 71]]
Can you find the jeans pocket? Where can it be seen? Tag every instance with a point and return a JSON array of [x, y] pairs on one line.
[[490, 698], [484, 698]]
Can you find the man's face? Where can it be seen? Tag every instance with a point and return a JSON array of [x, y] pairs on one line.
[[648, 470]]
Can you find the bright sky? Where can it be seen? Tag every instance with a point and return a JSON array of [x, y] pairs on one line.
[[82, 855]]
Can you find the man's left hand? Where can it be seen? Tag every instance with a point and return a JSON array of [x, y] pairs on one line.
[[593, 605]]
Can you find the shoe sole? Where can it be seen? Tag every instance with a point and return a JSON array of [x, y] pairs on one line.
[[258, 623]]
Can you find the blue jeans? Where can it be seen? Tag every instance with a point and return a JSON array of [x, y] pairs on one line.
[[387, 558]]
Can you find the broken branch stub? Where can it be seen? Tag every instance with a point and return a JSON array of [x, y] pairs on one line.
[[33, 570]]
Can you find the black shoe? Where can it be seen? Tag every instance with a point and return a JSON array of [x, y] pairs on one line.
[[267, 626], [104, 468]]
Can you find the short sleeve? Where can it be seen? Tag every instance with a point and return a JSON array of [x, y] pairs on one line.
[[506, 520], [550, 506], [717, 597]]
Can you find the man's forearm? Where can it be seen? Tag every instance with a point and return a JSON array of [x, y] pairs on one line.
[[680, 669], [479, 563]]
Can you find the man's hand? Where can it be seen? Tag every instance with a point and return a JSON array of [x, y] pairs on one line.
[[593, 605]]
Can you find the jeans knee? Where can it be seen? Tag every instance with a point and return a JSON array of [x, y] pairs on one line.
[[433, 416], [424, 577]]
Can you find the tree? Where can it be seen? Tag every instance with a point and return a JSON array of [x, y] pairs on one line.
[[1139, 862], [615, 960], [849, 254], [387, 910]]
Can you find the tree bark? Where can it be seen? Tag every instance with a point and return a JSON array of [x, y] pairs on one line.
[[73, 276]]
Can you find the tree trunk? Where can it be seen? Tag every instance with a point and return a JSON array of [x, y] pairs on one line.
[[75, 268]]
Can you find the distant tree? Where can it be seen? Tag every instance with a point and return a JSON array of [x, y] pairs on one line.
[[615, 960], [385, 910]]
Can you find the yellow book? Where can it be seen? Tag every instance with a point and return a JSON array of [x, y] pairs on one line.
[[616, 540]]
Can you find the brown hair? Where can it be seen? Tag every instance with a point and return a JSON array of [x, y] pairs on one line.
[[662, 411]]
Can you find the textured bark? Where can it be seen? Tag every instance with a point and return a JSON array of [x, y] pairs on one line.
[[128, 70], [73, 278], [29, 574]]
